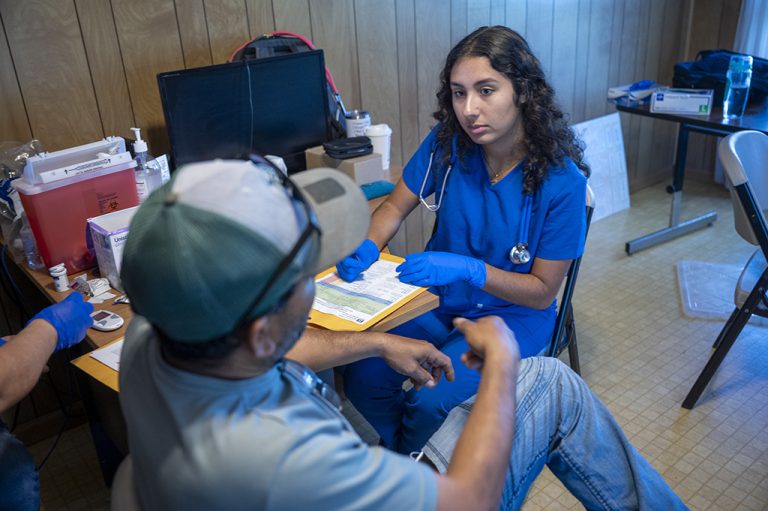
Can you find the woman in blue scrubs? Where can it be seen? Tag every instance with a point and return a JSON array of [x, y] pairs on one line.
[[509, 185]]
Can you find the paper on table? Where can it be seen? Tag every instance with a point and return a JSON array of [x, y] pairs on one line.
[[341, 305], [109, 355]]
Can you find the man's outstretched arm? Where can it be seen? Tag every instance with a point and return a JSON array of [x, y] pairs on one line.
[[476, 474], [420, 361], [23, 357]]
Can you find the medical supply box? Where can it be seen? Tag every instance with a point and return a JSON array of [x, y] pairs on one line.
[[58, 210], [108, 235], [362, 169], [682, 101]]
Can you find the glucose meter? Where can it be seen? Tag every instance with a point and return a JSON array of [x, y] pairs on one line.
[[106, 321]]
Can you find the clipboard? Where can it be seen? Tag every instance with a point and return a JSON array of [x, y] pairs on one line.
[[377, 302]]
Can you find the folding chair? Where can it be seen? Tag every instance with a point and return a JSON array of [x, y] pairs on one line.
[[744, 156], [565, 330]]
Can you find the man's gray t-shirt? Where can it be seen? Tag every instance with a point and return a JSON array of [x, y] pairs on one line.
[[262, 443]]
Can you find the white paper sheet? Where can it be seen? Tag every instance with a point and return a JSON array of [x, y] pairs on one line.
[[109, 355]]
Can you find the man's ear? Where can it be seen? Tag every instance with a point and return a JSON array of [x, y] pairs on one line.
[[260, 343]]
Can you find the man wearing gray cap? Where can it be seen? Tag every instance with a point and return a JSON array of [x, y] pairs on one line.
[[222, 413]]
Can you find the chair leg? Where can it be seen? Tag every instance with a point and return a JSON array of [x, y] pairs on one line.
[[725, 340], [573, 353], [725, 328]]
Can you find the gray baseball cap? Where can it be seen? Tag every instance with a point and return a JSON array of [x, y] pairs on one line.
[[202, 247]]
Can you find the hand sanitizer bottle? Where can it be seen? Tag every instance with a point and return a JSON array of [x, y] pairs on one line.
[[147, 179]]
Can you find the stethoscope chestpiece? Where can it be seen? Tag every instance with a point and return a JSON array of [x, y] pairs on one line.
[[520, 254]]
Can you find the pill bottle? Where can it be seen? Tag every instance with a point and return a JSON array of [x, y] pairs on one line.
[[60, 280]]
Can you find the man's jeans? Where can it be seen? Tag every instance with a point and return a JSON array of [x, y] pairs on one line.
[[19, 483], [560, 423]]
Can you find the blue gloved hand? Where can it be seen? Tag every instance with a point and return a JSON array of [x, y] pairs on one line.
[[353, 265], [71, 319], [441, 268]]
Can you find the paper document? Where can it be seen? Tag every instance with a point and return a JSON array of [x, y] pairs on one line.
[[109, 355], [359, 304]]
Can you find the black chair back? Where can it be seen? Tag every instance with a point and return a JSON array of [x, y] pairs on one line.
[[564, 335]]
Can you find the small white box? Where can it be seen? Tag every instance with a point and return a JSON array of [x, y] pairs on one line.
[[682, 101], [109, 233]]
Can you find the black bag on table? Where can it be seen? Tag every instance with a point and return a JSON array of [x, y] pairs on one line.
[[345, 148], [708, 72]]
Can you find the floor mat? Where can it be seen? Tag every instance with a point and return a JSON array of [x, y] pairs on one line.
[[706, 290]]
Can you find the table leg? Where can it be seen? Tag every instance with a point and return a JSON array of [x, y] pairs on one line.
[[676, 227], [106, 424]]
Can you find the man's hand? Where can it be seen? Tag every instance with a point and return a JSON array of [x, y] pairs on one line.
[[418, 360], [71, 319], [487, 336]]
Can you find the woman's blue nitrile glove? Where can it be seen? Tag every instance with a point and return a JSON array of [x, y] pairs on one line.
[[441, 268], [2, 341], [353, 265], [71, 318]]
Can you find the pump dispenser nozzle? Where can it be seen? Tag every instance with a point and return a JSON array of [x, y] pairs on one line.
[[139, 146]]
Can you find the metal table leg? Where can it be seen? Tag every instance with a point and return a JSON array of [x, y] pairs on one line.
[[676, 227]]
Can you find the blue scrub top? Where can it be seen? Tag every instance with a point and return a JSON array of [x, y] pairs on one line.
[[482, 220]]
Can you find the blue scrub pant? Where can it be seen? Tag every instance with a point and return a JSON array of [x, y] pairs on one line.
[[19, 482], [405, 420]]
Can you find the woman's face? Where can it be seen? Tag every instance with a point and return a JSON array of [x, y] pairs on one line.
[[485, 104]]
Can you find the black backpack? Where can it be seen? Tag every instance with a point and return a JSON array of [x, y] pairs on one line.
[[708, 72], [287, 43]]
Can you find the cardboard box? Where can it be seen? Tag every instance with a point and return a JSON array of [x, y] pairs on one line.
[[108, 233], [363, 169], [682, 101]]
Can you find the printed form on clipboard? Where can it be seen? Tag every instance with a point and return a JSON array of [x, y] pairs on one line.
[[341, 305]]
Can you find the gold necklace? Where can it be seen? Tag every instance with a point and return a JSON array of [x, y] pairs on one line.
[[495, 177]]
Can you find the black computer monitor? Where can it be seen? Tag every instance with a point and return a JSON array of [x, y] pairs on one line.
[[276, 105]]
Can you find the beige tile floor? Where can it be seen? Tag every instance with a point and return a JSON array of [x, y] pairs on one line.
[[641, 355], [638, 353]]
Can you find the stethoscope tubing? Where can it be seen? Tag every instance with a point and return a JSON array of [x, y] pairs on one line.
[[519, 253]]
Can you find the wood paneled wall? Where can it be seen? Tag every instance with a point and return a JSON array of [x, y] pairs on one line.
[[714, 26], [72, 71]]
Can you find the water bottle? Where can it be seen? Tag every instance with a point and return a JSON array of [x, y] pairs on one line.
[[30, 247], [737, 82]]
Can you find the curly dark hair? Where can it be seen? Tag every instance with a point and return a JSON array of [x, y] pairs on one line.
[[548, 137]]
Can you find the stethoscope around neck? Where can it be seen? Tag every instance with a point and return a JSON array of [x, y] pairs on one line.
[[519, 254]]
